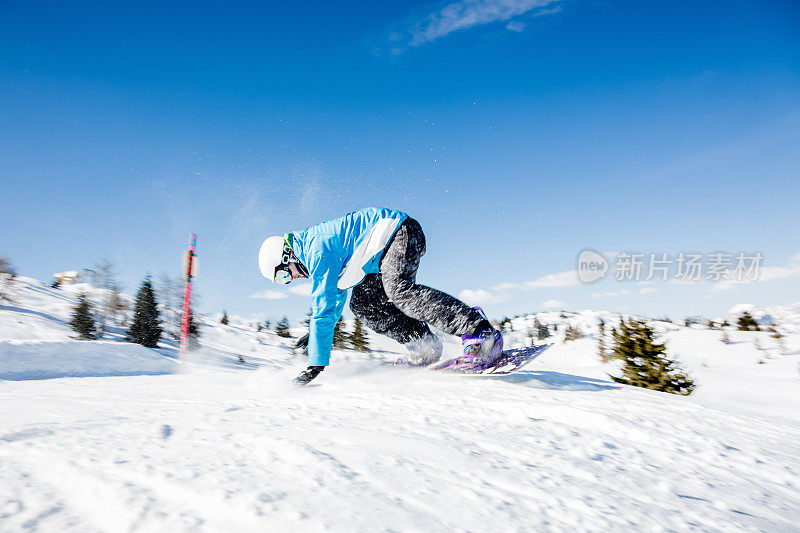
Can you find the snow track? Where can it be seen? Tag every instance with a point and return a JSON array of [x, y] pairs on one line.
[[404, 450], [231, 446]]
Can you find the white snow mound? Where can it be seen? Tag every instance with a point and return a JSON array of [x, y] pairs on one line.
[[59, 359]]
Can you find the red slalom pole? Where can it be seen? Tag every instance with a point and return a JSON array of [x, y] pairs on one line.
[[188, 273]]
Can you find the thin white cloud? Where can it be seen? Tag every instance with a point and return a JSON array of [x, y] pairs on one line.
[[770, 273], [295, 289], [516, 26], [765, 274], [649, 290], [568, 278], [553, 304], [466, 14], [500, 293], [610, 294], [548, 11], [300, 289], [270, 295], [481, 297]]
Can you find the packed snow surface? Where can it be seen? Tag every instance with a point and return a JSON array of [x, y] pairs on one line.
[[228, 446]]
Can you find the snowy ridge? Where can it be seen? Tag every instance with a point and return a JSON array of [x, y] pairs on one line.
[[230, 446]]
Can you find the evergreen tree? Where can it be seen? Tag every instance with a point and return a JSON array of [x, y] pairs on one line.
[[645, 362], [601, 341], [541, 330], [282, 328], [224, 319], [339, 335], [358, 338], [193, 340], [725, 323], [531, 334], [725, 338], [267, 324], [7, 277], [572, 333], [104, 278], [146, 326], [82, 321], [746, 322], [117, 304]]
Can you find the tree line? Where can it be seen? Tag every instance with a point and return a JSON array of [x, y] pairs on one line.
[[356, 340], [107, 309]]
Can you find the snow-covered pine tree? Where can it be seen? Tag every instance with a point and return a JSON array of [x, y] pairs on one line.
[[531, 334], [224, 319], [541, 330], [725, 338], [82, 321], [572, 333], [358, 338], [282, 328], [105, 279], [146, 326], [170, 294], [646, 364], [7, 277], [193, 340], [339, 335], [746, 322], [117, 304], [602, 351]]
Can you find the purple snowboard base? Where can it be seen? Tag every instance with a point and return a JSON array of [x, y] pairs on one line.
[[508, 363]]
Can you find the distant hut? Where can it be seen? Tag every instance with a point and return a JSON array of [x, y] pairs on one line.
[[68, 277]]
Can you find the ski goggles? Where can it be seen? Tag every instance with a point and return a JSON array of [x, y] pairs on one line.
[[282, 273]]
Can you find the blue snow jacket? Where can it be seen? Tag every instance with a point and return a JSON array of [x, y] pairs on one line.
[[338, 254]]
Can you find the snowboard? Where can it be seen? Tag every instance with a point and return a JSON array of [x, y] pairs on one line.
[[506, 364]]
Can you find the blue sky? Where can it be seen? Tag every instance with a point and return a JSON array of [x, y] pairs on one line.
[[518, 132]]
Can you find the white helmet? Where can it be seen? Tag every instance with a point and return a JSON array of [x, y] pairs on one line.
[[273, 260]]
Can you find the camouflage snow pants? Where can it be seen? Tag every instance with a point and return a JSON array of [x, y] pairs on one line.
[[393, 304]]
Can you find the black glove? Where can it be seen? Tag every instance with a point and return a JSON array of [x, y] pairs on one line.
[[308, 374]]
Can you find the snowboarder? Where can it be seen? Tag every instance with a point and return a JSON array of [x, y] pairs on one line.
[[375, 251]]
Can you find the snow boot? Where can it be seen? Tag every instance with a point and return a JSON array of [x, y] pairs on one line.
[[484, 345], [307, 375]]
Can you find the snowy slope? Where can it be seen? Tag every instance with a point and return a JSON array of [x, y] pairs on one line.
[[229, 446], [36, 341]]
